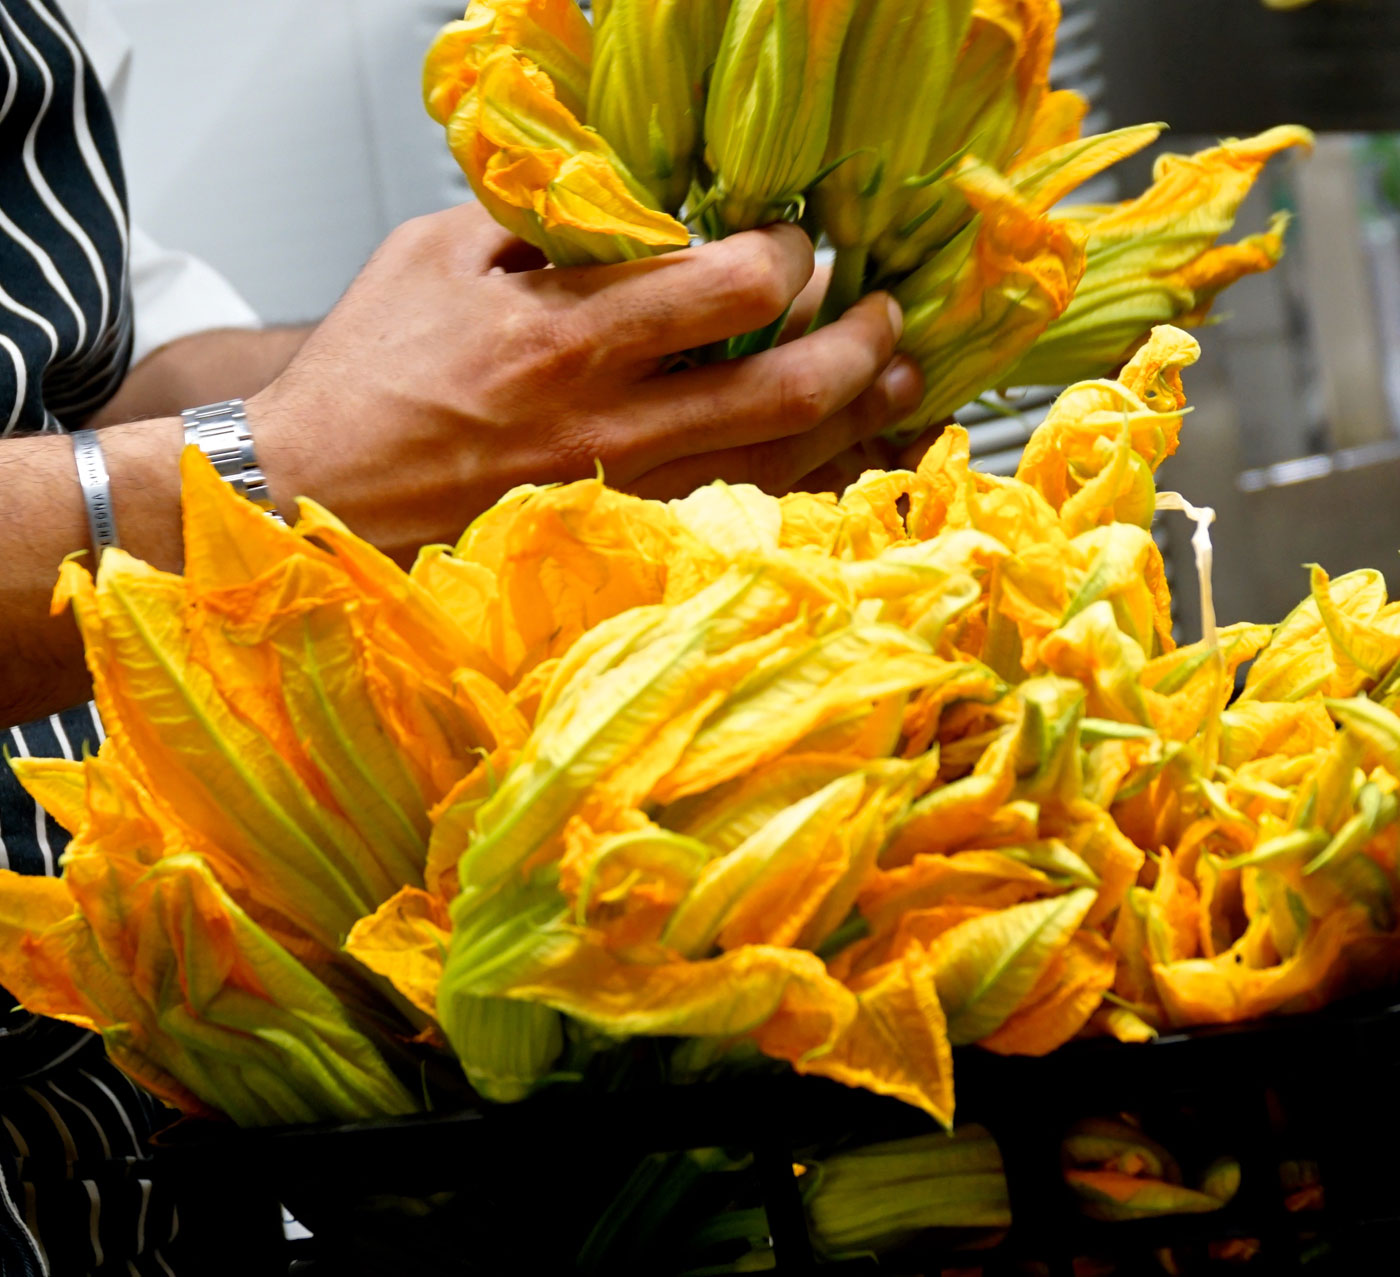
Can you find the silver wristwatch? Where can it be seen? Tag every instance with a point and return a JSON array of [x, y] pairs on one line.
[[220, 431]]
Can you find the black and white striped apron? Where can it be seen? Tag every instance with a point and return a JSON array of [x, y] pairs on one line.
[[72, 1128]]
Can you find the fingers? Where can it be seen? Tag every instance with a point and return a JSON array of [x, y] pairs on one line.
[[804, 309], [777, 466], [468, 240], [642, 312], [774, 395], [516, 256], [843, 470]]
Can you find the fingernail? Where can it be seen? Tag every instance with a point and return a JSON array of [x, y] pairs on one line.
[[902, 384], [896, 316]]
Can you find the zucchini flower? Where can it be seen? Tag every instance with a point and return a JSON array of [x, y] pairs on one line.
[[648, 91], [192, 998], [982, 301], [895, 71], [881, 1031], [990, 110], [505, 1047], [280, 715], [1155, 260], [546, 177], [1094, 457], [883, 1195], [770, 106], [553, 34], [1117, 1172], [571, 899]]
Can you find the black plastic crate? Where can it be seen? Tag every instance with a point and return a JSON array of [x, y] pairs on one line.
[[1320, 1089]]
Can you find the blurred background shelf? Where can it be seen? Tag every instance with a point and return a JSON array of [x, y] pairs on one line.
[[1236, 67]]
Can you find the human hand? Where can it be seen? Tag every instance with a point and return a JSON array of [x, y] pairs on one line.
[[451, 372], [872, 454]]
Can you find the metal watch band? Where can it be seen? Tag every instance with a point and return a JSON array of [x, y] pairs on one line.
[[220, 431], [97, 489]]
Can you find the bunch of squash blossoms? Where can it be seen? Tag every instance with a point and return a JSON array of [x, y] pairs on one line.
[[841, 782], [827, 782], [919, 139]]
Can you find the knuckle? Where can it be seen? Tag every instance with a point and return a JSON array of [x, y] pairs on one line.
[[759, 283], [412, 237], [566, 354], [544, 343], [802, 396], [630, 329], [578, 449]]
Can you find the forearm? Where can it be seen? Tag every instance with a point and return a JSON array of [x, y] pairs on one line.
[[226, 363], [43, 520]]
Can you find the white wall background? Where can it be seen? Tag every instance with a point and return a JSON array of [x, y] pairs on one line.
[[282, 139]]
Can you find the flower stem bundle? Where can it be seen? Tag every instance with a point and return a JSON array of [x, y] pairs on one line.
[[920, 139]]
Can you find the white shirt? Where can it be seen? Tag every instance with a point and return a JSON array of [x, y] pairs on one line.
[[174, 294]]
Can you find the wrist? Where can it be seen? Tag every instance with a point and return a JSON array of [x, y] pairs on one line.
[[143, 461], [281, 460]]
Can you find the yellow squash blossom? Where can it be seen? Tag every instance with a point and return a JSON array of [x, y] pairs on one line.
[[885, 1194], [191, 997], [1094, 457], [648, 91], [546, 565], [532, 947], [505, 1047], [622, 720], [843, 780], [546, 177], [297, 732], [770, 105], [1068, 995], [895, 71], [1047, 176], [999, 83], [229, 782], [1302, 659], [989, 963], [1366, 648], [1118, 1173], [987, 297], [1115, 1195], [884, 1032], [1155, 259], [553, 34], [1232, 987]]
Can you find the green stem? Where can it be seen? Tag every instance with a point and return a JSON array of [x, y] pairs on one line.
[[638, 1228], [734, 1225], [854, 928], [846, 287], [755, 343]]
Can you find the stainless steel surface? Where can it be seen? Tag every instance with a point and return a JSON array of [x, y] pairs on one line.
[[221, 432]]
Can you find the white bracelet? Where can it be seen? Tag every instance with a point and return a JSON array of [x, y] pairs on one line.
[[97, 489]]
